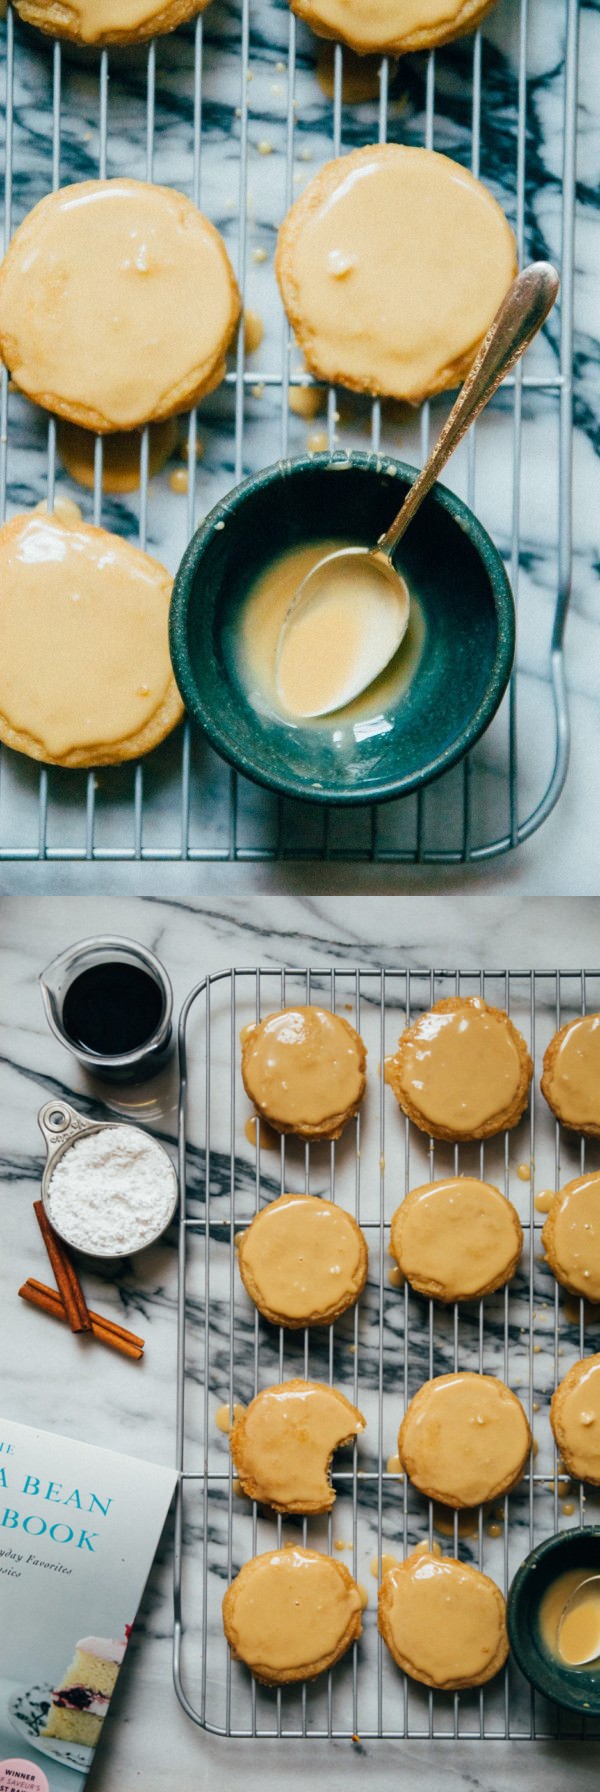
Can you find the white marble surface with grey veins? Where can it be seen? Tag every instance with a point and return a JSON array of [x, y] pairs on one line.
[[47, 1377], [146, 120]]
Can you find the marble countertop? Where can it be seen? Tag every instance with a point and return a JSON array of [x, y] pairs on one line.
[[244, 428], [149, 1742]]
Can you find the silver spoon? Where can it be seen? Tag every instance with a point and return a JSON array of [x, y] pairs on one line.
[[576, 1599], [369, 575]]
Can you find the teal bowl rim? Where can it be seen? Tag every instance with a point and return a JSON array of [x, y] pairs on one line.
[[548, 1679], [389, 790]]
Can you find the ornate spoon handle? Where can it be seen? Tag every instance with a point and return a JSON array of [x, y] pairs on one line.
[[518, 320]]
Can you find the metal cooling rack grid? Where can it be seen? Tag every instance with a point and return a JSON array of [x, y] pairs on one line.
[[378, 1354], [181, 804]]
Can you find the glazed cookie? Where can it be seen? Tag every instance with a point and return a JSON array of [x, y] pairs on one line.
[[571, 1079], [117, 304], [282, 1445], [108, 21], [303, 1261], [291, 1613], [571, 1236], [392, 266], [462, 1071], [443, 1621], [464, 1439], [456, 1240], [85, 674], [392, 27], [305, 1071], [575, 1419]]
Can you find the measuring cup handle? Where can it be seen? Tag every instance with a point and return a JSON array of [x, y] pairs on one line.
[[57, 1122]]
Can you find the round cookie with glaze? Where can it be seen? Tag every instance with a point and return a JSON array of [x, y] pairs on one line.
[[444, 1622], [118, 303], [571, 1079], [303, 1261], [103, 22], [291, 1614], [282, 1445], [462, 1071], [85, 673], [575, 1419], [305, 1071], [571, 1236], [464, 1439], [456, 1240], [392, 265], [392, 27]]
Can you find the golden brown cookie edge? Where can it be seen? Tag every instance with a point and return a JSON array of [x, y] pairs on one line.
[[178, 12], [334, 1127], [351, 1634], [569, 1382], [548, 1241], [431, 1290], [468, 18], [589, 1131], [197, 383], [294, 1325], [156, 729], [384, 1604], [505, 1485], [452, 374], [252, 1488], [498, 1123]]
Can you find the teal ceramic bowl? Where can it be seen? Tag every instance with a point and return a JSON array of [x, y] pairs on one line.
[[449, 563], [577, 1689]]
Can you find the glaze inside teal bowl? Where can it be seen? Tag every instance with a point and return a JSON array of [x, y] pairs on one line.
[[449, 563], [577, 1689]]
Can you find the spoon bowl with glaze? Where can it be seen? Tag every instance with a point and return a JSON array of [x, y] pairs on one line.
[[579, 1628], [351, 612]]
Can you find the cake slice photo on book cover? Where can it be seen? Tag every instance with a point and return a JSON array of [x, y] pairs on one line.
[[79, 1528], [80, 1703]]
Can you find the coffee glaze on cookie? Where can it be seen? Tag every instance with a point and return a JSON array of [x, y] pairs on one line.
[[392, 26], [282, 1446], [117, 303], [571, 1080], [291, 1613], [464, 1439], [303, 1260], [571, 1236], [392, 266], [107, 21], [304, 1069], [443, 1621], [575, 1419], [85, 674], [457, 1239], [460, 1068]]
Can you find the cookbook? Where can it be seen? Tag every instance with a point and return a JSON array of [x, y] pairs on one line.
[[79, 1527]]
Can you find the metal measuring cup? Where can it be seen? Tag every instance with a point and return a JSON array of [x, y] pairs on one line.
[[61, 1127]]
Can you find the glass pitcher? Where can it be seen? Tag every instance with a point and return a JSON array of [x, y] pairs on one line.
[[56, 979]]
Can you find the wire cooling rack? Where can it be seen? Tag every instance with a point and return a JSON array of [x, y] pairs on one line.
[[199, 110], [378, 1354]]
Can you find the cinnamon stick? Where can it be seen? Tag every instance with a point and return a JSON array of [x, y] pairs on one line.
[[47, 1300], [67, 1279]]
